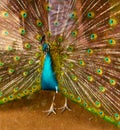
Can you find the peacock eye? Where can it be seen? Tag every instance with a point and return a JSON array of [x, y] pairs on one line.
[[89, 51], [39, 37], [56, 23], [112, 22], [1, 64], [48, 7], [30, 62], [93, 36], [112, 82], [25, 73], [4, 14], [60, 39], [27, 45], [11, 71], [4, 100], [73, 15], [23, 14], [90, 14], [81, 62], [22, 31], [100, 113], [74, 33], [5, 32], [39, 23], [16, 58], [111, 42], [49, 34]]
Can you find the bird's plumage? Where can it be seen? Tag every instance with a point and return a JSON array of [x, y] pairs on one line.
[[84, 57], [48, 80]]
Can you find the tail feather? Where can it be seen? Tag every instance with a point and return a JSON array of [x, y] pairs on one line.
[[90, 71], [21, 33]]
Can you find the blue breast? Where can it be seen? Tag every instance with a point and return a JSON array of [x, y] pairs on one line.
[[48, 79]]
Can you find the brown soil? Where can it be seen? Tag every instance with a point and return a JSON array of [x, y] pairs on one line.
[[26, 114]]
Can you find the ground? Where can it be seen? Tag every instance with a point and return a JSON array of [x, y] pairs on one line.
[[27, 114]]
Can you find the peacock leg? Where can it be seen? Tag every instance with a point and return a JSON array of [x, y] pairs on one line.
[[65, 107], [52, 108]]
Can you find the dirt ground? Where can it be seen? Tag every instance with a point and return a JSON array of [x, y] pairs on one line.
[[27, 114]]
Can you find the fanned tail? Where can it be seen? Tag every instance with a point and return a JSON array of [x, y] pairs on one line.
[[90, 71], [84, 45], [22, 25]]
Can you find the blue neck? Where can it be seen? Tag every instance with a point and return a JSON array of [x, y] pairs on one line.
[[48, 80]]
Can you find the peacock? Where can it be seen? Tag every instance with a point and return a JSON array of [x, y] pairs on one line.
[[65, 46]]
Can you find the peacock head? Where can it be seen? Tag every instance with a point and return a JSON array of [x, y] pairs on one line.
[[45, 47]]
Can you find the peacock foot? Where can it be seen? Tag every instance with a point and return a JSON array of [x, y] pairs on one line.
[[65, 107], [51, 110]]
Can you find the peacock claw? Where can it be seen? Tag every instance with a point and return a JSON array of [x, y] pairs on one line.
[[65, 107], [51, 110]]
